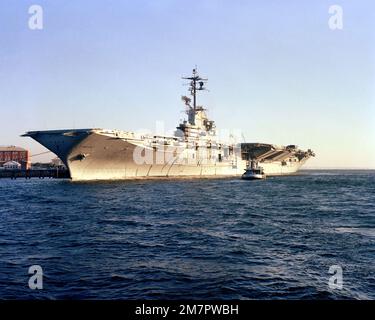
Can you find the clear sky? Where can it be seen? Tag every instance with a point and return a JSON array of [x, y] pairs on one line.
[[276, 70]]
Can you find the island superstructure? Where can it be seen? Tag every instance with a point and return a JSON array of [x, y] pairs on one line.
[[193, 151]]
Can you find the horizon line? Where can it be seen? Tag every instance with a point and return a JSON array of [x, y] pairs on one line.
[[337, 168]]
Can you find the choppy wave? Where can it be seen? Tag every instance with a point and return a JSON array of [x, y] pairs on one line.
[[182, 239]]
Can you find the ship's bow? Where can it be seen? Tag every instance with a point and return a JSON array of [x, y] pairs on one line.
[[60, 142]]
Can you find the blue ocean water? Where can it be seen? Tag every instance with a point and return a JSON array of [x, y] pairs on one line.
[[190, 239]]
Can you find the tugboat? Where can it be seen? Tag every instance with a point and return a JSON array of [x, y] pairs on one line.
[[254, 172]]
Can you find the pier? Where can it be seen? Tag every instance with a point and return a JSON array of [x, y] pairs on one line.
[[55, 173]]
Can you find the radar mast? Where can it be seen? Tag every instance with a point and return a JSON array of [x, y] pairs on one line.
[[196, 84]]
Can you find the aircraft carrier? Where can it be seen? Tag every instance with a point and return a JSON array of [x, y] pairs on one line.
[[193, 151]]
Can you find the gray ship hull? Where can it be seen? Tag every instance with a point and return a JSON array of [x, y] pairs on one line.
[[98, 154]]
